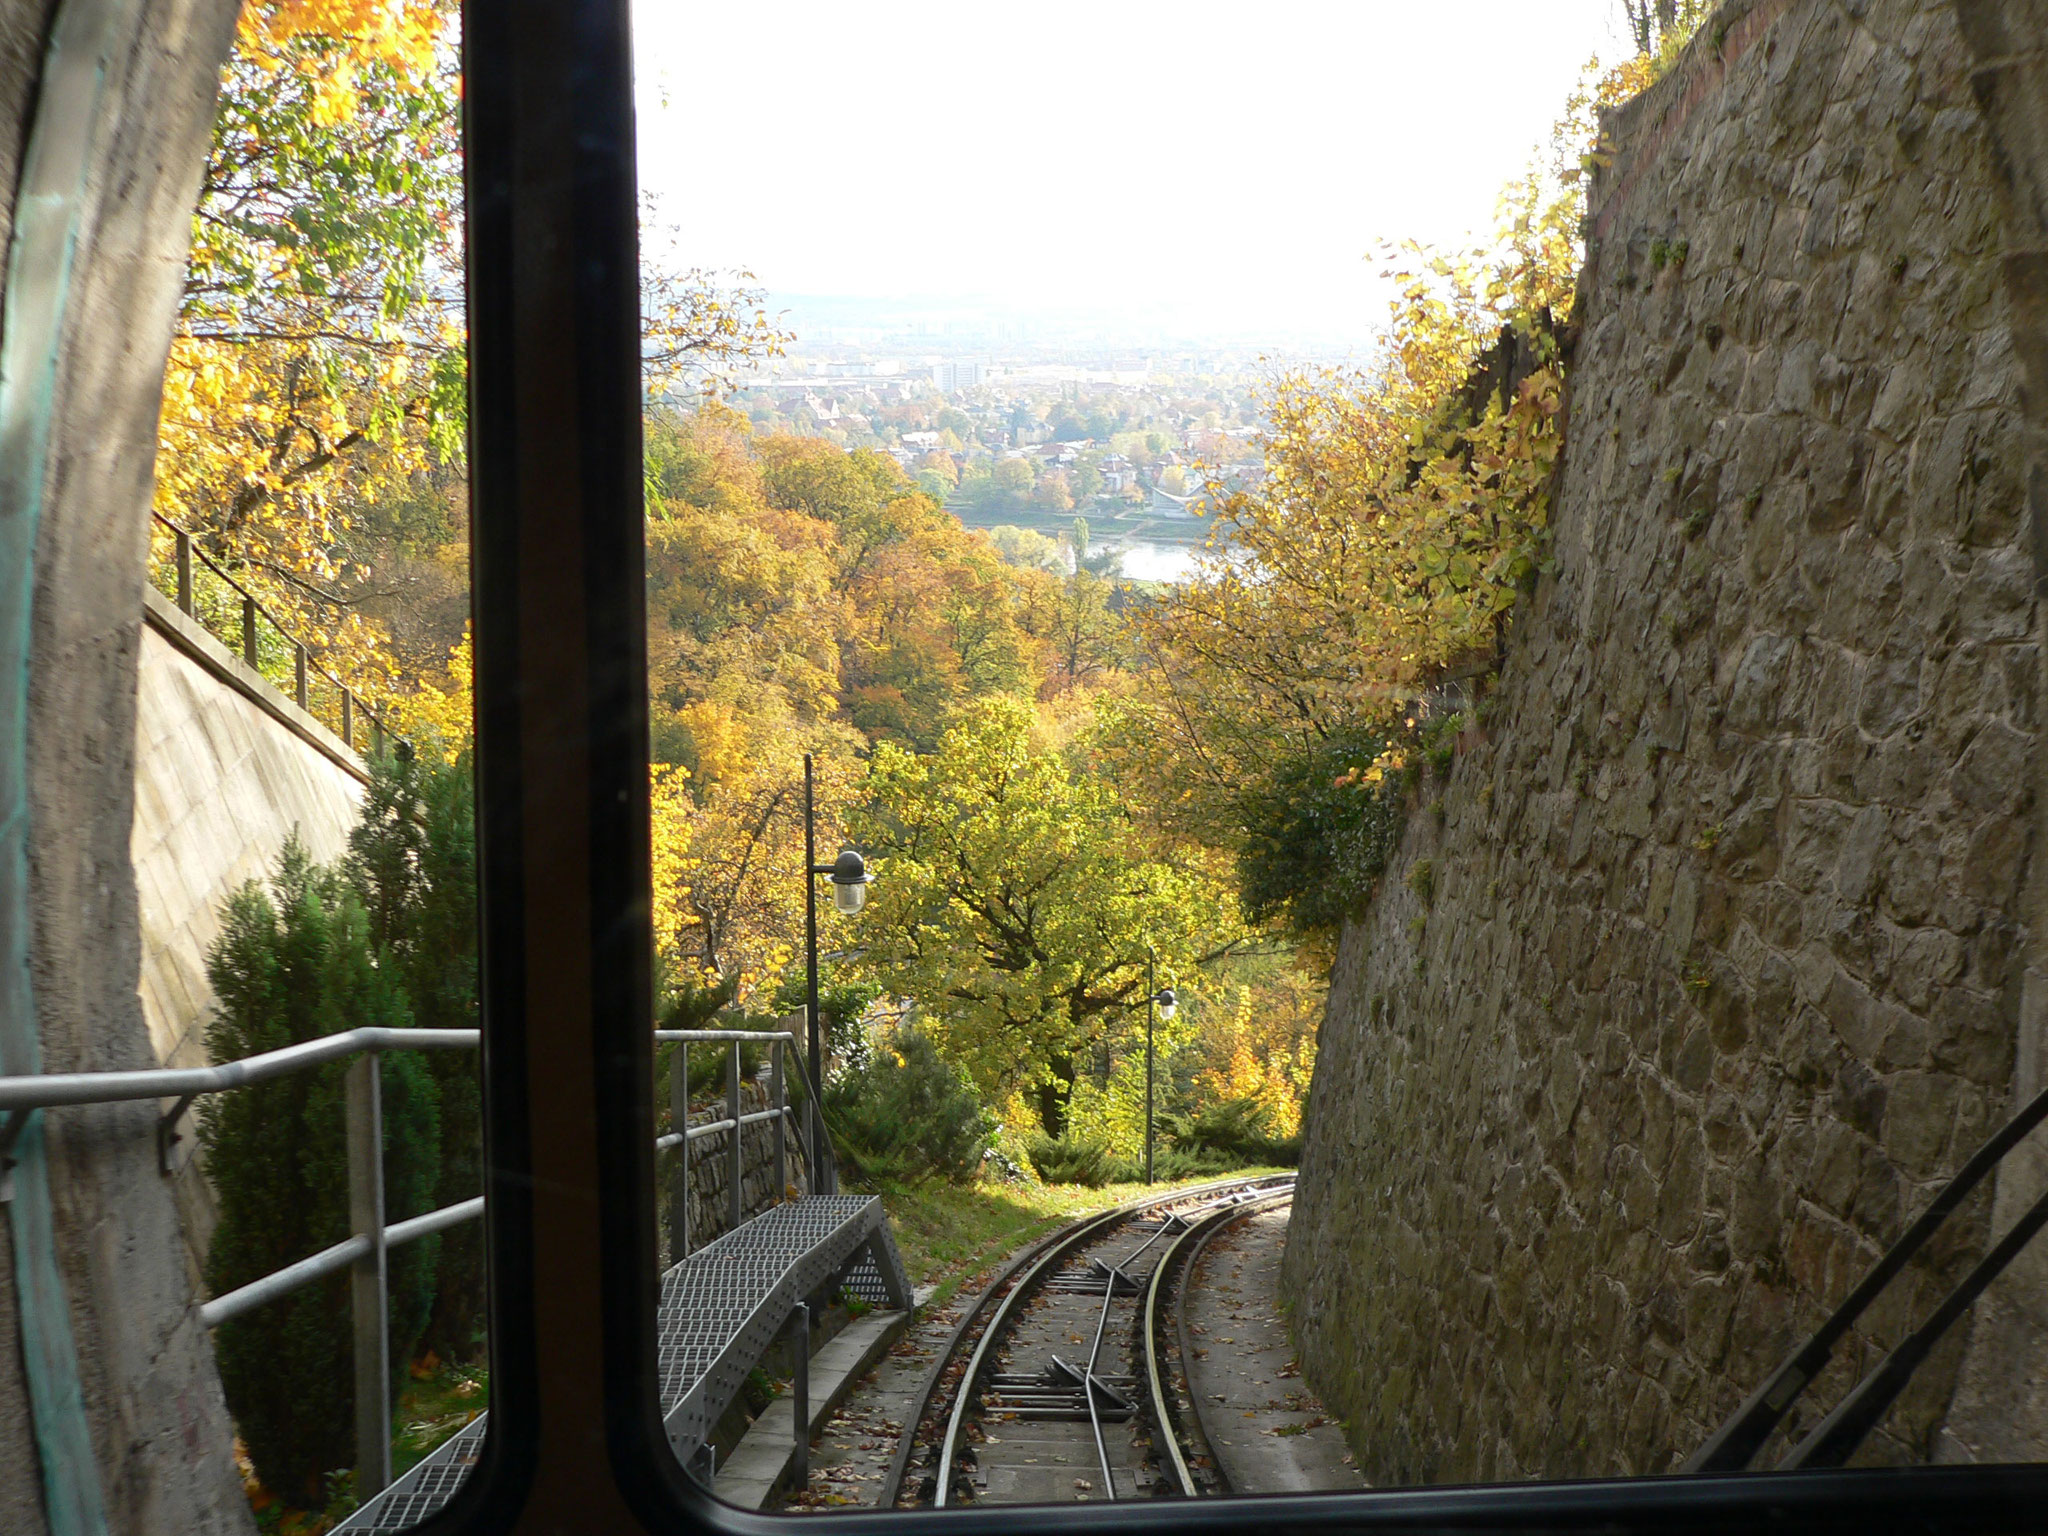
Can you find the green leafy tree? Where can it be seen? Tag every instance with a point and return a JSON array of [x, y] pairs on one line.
[[294, 963], [1016, 904]]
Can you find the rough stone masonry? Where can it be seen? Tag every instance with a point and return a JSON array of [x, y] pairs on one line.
[[1727, 961]]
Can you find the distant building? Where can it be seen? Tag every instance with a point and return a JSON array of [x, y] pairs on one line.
[[949, 376], [1166, 504]]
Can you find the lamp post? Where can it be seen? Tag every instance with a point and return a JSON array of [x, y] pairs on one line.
[[1160, 1002], [850, 877]]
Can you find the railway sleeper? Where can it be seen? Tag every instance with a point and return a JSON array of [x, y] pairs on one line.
[[1060, 1370], [1074, 1411]]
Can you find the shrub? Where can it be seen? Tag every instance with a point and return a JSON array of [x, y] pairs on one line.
[[1061, 1161], [412, 861], [293, 964], [906, 1115], [1231, 1133], [842, 1006]]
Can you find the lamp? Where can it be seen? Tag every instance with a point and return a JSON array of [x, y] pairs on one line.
[[1160, 1002], [850, 879]]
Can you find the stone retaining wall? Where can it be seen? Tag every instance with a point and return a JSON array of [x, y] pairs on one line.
[[1726, 962], [711, 1170]]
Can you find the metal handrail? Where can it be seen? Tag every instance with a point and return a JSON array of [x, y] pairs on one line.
[[352, 702], [1731, 1447], [363, 1252], [50, 1090]]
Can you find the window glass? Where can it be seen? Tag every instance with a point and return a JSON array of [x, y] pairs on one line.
[[1244, 902], [307, 634]]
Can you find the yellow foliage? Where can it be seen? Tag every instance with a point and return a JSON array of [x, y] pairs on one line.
[[403, 34], [440, 713], [729, 876], [1404, 510], [1264, 1048]]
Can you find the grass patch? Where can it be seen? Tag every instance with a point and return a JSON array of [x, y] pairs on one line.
[[439, 1399], [950, 1234]]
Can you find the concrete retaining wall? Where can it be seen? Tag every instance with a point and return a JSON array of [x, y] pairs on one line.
[[226, 769]]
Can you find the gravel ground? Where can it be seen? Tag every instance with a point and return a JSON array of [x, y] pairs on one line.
[[1272, 1437]]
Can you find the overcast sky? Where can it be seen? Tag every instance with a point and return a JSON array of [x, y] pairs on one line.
[[1230, 162]]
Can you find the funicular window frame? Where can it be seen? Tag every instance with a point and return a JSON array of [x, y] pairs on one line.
[[562, 837]]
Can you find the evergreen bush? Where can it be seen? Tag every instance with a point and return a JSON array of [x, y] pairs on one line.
[[1058, 1160], [1230, 1133], [295, 963], [905, 1115], [412, 862]]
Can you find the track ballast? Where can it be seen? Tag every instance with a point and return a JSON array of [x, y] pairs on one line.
[[1064, 1380]]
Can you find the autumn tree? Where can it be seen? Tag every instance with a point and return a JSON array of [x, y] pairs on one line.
[[318, 368], [729, 876], [1016, 904], [1084, 637], [1402, 514]]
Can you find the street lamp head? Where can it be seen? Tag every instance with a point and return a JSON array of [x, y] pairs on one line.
[[850, 879], [1167, 1002]]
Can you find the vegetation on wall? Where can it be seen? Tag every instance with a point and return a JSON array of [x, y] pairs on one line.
[[1376, 566]]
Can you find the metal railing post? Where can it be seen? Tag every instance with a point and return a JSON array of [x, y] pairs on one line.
[[348, 718], [367, 1294], [376, 737], [679, 1178], [779, 1091], [184, 547], [249, 630], [299, 675], [732, 1113], [800, 1391]]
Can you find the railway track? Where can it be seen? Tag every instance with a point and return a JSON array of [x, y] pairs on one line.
[[1064, 1380]]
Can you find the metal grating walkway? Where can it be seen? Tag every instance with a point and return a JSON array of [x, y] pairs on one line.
[[721, 1309]]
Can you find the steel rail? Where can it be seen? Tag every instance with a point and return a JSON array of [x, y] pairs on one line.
[[713, 1127], [743, 1036], [21, 1096], [188, 546], [282, 1282], [1064, 1242], [1198, 1234], [906, 1440], [1088, 1378], [52, 1090]]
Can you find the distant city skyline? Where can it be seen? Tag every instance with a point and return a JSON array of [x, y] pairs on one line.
[[1141, 169]]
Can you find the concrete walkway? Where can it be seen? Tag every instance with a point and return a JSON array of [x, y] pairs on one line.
[[1268, 1431], [758, 1468]]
